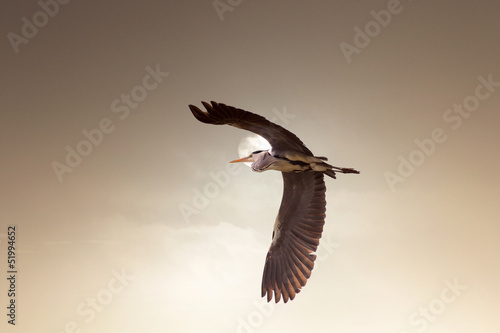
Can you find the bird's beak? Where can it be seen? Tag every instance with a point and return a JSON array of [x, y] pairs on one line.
[[243, 159]]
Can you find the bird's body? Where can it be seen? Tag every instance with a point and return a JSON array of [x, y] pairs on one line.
[[301, 216], [266, 160], [290, 161]]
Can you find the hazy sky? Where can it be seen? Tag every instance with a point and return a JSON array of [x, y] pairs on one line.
[[129, 220]]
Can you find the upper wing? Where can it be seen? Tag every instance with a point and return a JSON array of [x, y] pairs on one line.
[[279, 138], [297, 231]]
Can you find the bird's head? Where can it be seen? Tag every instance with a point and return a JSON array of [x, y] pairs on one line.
[[259, 159]]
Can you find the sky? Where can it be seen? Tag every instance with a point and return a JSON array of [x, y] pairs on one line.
[[125, 216]]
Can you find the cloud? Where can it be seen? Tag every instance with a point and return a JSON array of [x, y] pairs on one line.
[[215, 260]]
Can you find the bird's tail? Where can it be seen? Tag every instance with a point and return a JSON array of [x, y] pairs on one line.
[[317, 163], [331, 171]]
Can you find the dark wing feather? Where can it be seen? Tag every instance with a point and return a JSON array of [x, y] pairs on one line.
[[278, 137], [297, 231]]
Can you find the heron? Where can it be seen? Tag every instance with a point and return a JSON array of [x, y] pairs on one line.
[[301, 216]]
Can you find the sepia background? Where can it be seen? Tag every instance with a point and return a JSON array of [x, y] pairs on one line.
[[129, 218]]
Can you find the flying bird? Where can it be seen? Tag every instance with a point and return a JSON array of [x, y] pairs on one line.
[[301, 215]]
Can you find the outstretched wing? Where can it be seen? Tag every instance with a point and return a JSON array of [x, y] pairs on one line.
[[278, 137], [296, 235]]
